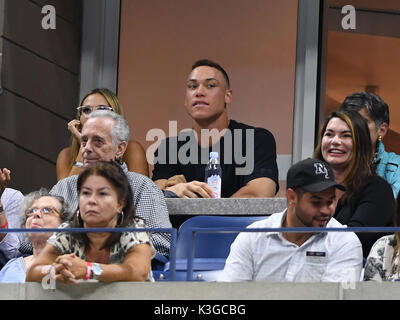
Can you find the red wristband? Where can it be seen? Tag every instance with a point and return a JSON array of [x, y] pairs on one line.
[[88, 271], [5, 225]]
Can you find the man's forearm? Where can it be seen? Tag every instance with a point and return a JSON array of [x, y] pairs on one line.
[[257, 188]]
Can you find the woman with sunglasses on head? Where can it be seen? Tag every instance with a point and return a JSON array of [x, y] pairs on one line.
[[41, 210], [105, 201], [69, 160]]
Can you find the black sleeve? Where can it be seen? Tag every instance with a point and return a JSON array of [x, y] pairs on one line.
[[162, 168], [264, 157], [374, 208]]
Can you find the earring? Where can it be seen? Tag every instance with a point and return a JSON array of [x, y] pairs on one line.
[[379, 138], [119, 161], [78, 216], [122, 218]]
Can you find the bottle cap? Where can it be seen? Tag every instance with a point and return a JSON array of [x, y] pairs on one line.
[[213, 155]]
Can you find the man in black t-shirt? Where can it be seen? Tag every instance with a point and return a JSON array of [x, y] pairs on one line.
[[247, 154]]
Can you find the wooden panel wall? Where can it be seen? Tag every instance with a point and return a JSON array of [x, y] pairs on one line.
[[366, 57], [40, 79]]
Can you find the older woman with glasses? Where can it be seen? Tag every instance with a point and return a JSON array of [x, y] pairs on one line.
[[69, 160], [42, 210]]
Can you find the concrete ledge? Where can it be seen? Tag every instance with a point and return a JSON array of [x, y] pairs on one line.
[[203, 291], [226, 206]]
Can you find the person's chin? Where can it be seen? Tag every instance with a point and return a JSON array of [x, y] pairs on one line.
[[321, 223], [89, 162], [202, 115]]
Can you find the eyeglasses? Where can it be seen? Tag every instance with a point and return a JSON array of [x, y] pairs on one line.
[[88, 109], [46, 211]]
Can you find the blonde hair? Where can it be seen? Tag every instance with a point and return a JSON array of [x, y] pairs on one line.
[[114, 103]]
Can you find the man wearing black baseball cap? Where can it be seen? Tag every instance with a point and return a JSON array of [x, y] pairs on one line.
[[312, 175], [299, 256]]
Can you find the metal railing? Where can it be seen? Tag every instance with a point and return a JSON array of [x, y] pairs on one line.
[[196, 230], [172, 231]]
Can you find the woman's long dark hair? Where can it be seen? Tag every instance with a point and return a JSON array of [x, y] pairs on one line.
[[359, 167], [115, 175]]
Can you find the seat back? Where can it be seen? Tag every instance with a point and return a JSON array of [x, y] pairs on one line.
[[158, 262], [181, 275], [210, 245]]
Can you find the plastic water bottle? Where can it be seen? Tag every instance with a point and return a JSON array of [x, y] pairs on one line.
[[213, 174]]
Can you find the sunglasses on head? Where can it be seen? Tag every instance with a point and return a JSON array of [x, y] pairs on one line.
[[88, 109]]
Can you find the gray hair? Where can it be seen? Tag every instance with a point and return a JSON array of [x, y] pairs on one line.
[[30, 198], [120, 131], [376, 108]]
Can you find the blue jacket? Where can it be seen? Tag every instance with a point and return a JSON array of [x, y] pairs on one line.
[[388, 167]]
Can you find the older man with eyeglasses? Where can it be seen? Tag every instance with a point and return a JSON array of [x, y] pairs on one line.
[[69, 159], [104, 137]]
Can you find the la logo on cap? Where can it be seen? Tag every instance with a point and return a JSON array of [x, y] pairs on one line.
[[321, 169]]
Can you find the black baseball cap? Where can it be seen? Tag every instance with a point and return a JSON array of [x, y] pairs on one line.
[[312, 175]]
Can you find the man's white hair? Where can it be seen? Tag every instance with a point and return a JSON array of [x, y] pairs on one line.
[[120, 131]]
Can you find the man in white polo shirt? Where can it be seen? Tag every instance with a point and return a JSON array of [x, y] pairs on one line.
[[302, 256]]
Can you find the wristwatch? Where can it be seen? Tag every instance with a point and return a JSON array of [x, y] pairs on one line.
[[97, 270]]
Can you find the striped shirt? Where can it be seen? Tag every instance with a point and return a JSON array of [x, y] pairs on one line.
[[148, 200], [11, 200]]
